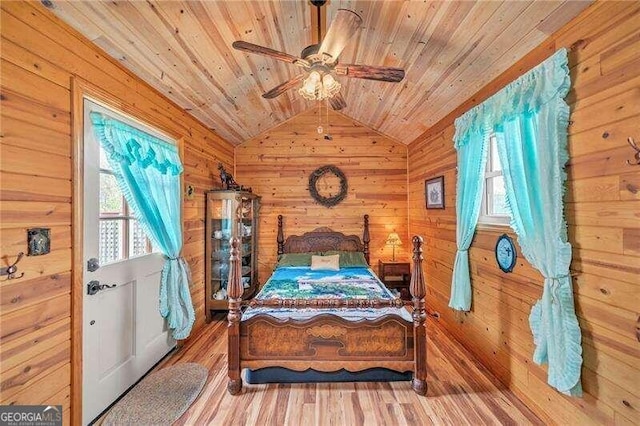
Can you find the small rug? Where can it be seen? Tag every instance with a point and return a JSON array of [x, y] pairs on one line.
[[161, 397]]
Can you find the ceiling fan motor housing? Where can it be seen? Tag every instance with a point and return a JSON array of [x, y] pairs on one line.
[[309, 51], [315, 61]]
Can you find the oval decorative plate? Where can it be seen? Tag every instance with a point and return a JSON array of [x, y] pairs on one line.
[[505, 253]]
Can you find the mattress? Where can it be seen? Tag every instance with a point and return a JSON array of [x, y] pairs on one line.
[[300, 282]]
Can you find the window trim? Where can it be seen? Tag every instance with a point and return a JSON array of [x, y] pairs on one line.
[[484, 218]]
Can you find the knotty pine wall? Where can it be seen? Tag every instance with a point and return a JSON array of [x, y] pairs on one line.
[[40, 54], [603, 213], [277, 165]]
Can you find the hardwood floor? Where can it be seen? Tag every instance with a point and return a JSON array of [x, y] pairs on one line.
[[461, 391]]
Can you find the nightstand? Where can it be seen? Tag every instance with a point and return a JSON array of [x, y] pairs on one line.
[[396, 275]]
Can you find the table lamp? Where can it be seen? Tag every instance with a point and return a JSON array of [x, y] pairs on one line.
[[393, 240]]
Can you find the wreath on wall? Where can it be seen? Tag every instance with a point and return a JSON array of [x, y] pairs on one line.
[[331, 200]]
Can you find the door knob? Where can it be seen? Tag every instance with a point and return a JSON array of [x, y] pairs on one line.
[[94, 286]]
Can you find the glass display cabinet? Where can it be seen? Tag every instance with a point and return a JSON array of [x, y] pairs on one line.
[[229, 214]]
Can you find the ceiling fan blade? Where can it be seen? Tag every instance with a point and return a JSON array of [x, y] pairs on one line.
[[342, 28], [393, 75], [337, 102], [265, 51], [281, 88]]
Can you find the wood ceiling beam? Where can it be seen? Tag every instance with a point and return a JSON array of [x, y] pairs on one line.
[[314, 23]]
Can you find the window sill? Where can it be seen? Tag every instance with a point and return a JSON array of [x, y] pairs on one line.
[[493, 227]]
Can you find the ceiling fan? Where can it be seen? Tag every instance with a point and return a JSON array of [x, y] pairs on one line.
[[320, 63]]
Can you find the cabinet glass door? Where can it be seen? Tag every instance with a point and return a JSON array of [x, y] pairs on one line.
[[221, 222], [230, 214], [245, 231]]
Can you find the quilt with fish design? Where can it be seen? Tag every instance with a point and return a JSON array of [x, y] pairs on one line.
[[304, 283]]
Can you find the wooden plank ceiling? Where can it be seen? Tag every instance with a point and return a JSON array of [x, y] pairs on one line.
[[448, 49]]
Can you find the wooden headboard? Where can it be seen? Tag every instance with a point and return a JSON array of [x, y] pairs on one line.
[[324, 239]]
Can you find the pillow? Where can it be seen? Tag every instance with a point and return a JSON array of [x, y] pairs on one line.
[[349, 258], [325, 263], [294, 259]]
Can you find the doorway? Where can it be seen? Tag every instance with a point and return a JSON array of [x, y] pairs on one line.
[[122, 332]]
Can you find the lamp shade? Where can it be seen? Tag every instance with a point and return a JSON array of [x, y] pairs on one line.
[[393, 240], [311, 86]]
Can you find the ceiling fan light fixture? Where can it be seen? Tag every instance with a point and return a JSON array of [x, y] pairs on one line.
[[311, 86], [319, 87], [330, 86]]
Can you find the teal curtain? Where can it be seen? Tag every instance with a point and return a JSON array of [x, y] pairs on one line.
[[530, 118], [148, 171], [472, 158]]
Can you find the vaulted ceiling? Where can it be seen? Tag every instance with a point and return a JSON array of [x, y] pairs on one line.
[[448, 49]]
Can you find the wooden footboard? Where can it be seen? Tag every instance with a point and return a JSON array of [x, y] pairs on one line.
[[327, 342]]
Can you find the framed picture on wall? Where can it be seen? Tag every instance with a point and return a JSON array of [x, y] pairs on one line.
[[434, 192]]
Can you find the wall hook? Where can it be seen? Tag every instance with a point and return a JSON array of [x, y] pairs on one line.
[[636, 156], [11, 270]]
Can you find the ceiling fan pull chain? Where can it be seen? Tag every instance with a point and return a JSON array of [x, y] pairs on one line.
[[326, 106], [319, 117], [327, 136]]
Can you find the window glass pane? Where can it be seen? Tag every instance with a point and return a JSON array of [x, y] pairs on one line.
[[104, 162], [138, 241], [486, 197], [497, 205], [494, 158], [111, 244], [111, 201]]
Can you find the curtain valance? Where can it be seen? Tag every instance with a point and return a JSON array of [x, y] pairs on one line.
[[544, 83], [126, 144]]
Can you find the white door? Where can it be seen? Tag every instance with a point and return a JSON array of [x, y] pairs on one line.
[[123, 332]]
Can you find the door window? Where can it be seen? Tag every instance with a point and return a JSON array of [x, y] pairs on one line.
[[120, 235]]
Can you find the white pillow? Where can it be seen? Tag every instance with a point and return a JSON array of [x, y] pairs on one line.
[[325, 263]]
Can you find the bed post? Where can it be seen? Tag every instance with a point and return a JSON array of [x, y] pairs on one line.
[[418, 292], [366, 238], [280, 238], [235, 290]]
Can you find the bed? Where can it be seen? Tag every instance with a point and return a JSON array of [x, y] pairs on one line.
[[343, 323]]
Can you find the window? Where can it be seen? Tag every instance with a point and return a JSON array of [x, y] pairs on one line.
[[121, 236], [494, 198]]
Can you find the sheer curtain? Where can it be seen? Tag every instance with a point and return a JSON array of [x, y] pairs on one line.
[[529, 118], [472, 158], [148, 171]]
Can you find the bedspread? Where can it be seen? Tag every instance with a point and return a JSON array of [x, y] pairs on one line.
[[304, 283]]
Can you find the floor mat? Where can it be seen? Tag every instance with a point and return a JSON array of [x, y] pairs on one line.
[[161, 397]]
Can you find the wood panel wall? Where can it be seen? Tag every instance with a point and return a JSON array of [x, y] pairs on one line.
[[603, 214], [40, 55], [277, 164]]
